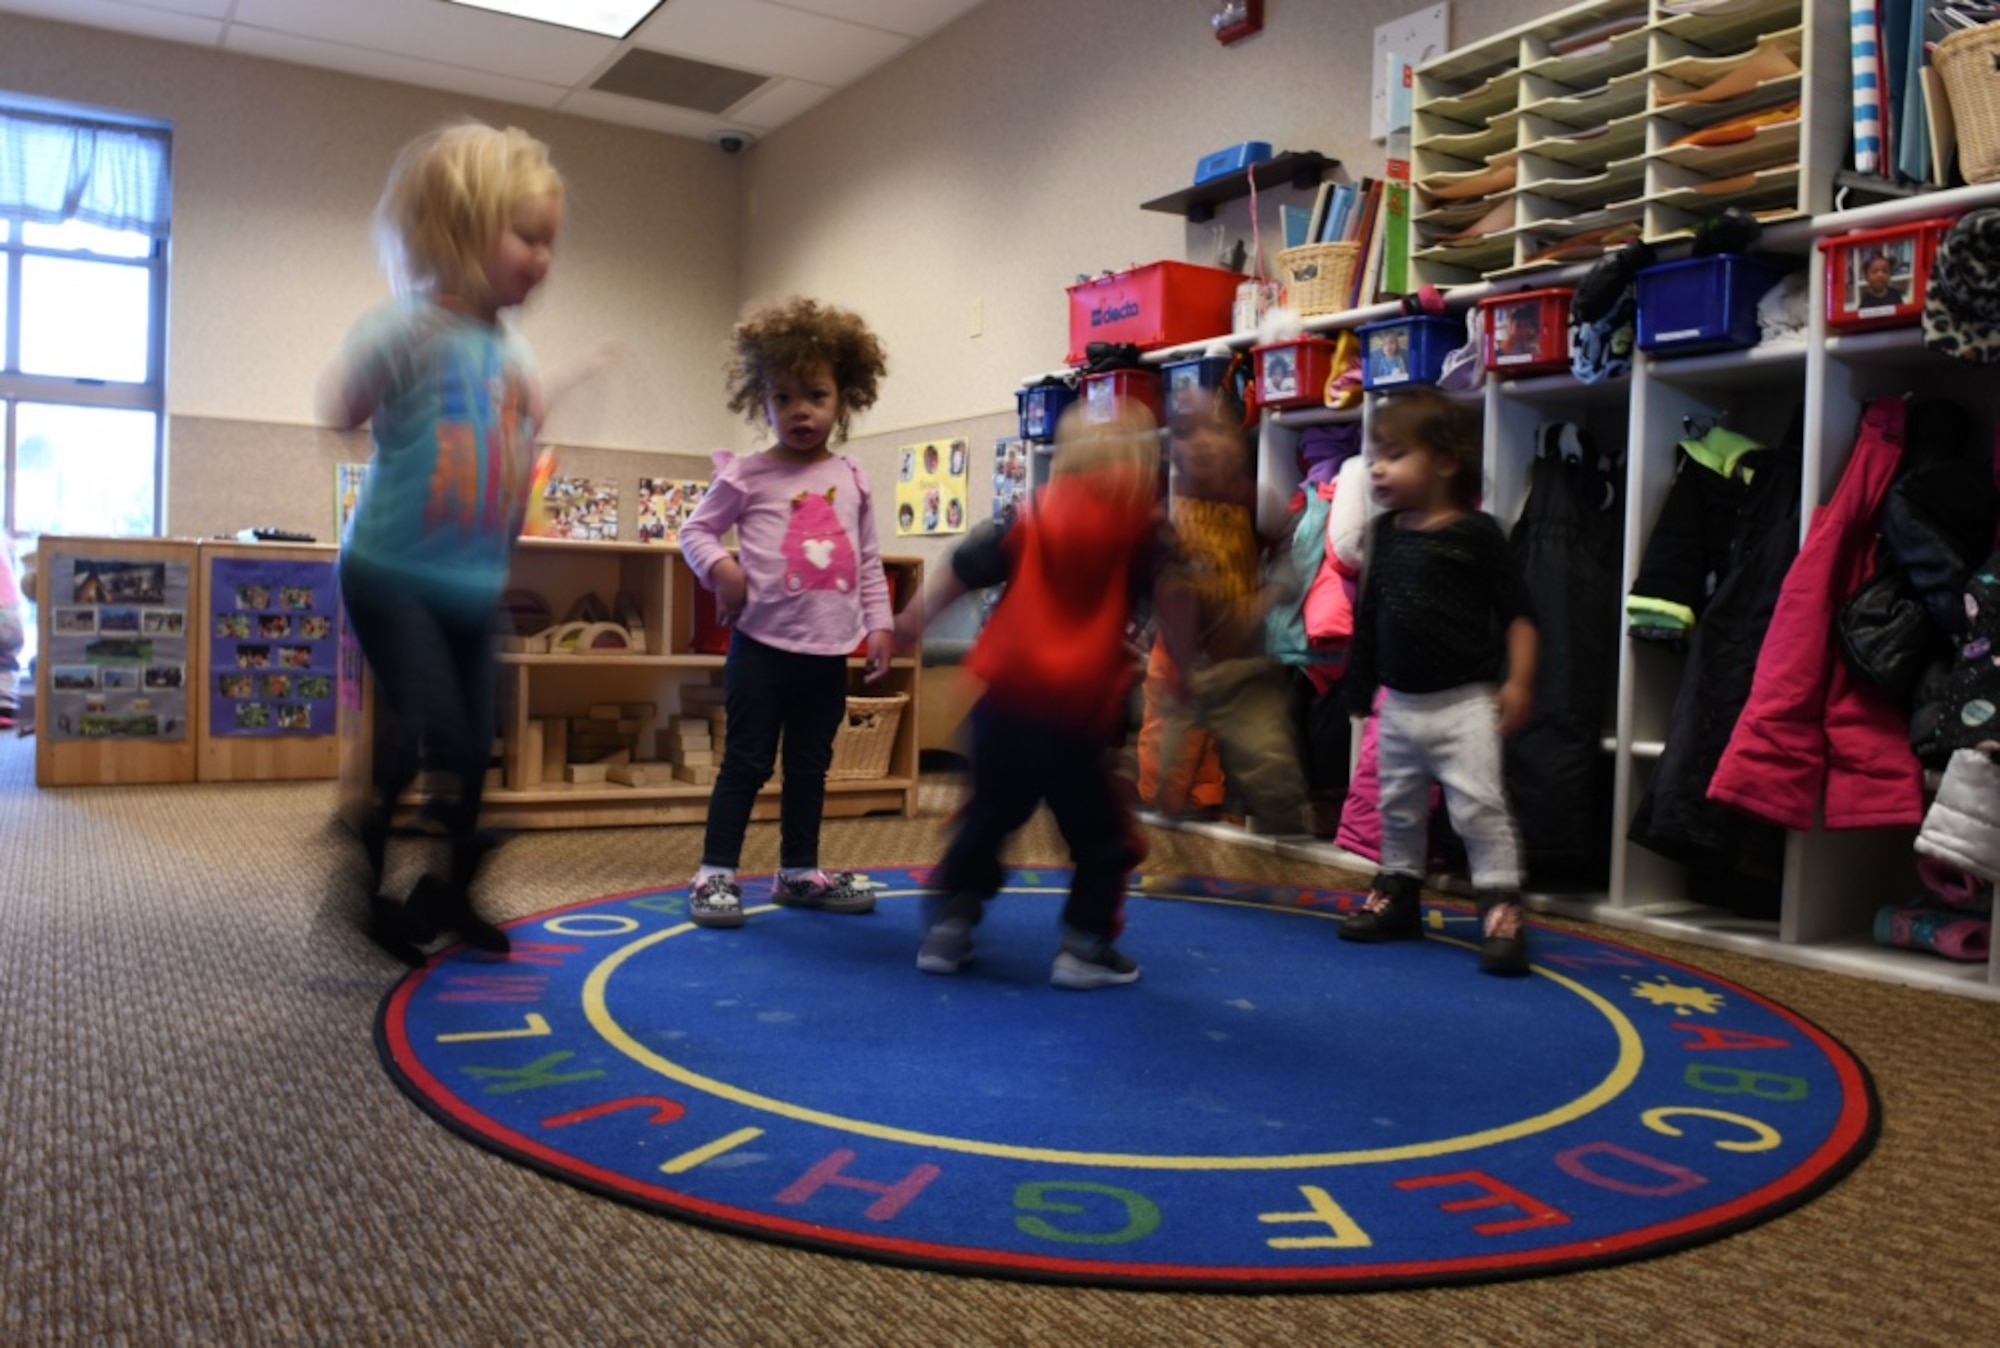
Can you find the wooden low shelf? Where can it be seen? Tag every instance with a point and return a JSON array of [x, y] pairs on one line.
[[540, 695]]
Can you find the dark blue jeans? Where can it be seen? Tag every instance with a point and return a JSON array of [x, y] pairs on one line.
[[769, 694], [1017, 763], [434, 708]]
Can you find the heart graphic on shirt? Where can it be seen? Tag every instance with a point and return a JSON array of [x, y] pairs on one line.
[[819, 551]]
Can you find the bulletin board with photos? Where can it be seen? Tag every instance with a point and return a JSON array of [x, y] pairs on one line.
[[273, 651], [117, 647]]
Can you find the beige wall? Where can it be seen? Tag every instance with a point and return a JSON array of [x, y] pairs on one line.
[[990, 165]]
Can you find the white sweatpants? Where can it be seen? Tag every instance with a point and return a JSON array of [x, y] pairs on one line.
[[1451, 738]]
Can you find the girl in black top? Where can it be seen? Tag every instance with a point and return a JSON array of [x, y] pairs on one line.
[[1446, 630]]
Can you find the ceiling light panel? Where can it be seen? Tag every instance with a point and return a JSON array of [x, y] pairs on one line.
[[606, 18]]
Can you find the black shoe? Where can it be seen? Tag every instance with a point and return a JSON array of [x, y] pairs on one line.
[[387, 929], [1387, 916], [434, 907], [1503, 943]]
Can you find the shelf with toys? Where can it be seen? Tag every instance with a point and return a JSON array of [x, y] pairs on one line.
[[610, 706]]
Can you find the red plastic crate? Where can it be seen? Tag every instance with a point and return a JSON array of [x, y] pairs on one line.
[[1852, 303], [1526, 332], [1103, 392], [1161, 304], [1294, 373]]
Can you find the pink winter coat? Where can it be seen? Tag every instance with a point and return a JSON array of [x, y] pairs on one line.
[[1810, 728]]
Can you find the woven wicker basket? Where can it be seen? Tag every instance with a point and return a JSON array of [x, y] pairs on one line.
[[867, 734], [1319, 277], [1968, 63]]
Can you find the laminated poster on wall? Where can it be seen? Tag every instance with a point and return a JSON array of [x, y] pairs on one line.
[[664, 506], [931, 491], [118, 644], [274, 653], [1010, 476], [347, 480], [581, 507]]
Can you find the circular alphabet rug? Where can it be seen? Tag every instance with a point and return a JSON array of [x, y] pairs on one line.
[[1267, 1108]]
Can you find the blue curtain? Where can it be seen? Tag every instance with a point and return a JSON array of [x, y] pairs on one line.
[[54, 169]]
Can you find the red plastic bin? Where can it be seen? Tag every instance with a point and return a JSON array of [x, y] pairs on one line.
[[1526, 332], [1294, 373], [1160, 304], [1103, 392], [1875, 278]]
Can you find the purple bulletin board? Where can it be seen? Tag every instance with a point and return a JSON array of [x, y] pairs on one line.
[[273, 656]]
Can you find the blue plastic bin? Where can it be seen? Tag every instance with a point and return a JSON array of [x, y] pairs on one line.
[[1041, 406], [1703, 303], [1191, 383], [1404, 351]]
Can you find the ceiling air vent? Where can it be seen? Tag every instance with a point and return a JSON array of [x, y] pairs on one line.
[[678, 82]]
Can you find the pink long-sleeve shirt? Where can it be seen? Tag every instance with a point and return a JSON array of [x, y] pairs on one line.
[[807, 543]]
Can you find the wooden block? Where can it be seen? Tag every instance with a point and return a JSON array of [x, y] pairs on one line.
[[626, 775], [593, 725], [687, 739], [604, 711], [695, 758], [700, 776], [584, 772], [533, 747], [698, 724]]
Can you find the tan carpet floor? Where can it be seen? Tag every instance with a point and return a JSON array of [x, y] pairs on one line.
[[200, 1146]]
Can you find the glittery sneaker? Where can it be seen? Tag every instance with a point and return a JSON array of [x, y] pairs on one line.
[[1385, 917], [1503, 945], [828, 891], [715, 902]]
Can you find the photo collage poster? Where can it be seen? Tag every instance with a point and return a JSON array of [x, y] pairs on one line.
[[273, 656], [664, 506], [931, 488], [582, 508], [118, 649], [1010, 477]]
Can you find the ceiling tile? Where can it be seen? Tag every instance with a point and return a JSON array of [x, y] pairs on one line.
[[774, 39], [911, 18], [122, 18], [448, 35], [206, 9], [384, 66], [639, 113], [777, 103]]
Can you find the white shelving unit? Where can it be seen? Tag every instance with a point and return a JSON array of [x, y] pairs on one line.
[[1592, 129], [1510, 86]]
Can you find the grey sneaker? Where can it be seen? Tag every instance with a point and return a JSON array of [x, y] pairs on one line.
[[828, 891], [716, 902], [947, 945], [1085, 963]]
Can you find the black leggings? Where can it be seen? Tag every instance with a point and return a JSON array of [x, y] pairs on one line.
[[433, 675], [768, 694]]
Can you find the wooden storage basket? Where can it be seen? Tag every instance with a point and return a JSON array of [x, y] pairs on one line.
[[867, 736], [1319, 277], [1968, 63]]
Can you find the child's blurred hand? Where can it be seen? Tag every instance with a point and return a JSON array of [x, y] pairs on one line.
[[732, 589], [878, 655], [909, 629], [1516, 702]]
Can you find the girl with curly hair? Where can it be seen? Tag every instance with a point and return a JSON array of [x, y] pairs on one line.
[[804, 587]]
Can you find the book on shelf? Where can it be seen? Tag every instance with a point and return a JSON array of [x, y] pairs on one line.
[[1321, 202], [1393, 274], [1297, 222]]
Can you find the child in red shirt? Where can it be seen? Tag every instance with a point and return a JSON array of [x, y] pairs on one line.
[[1058, 673]]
